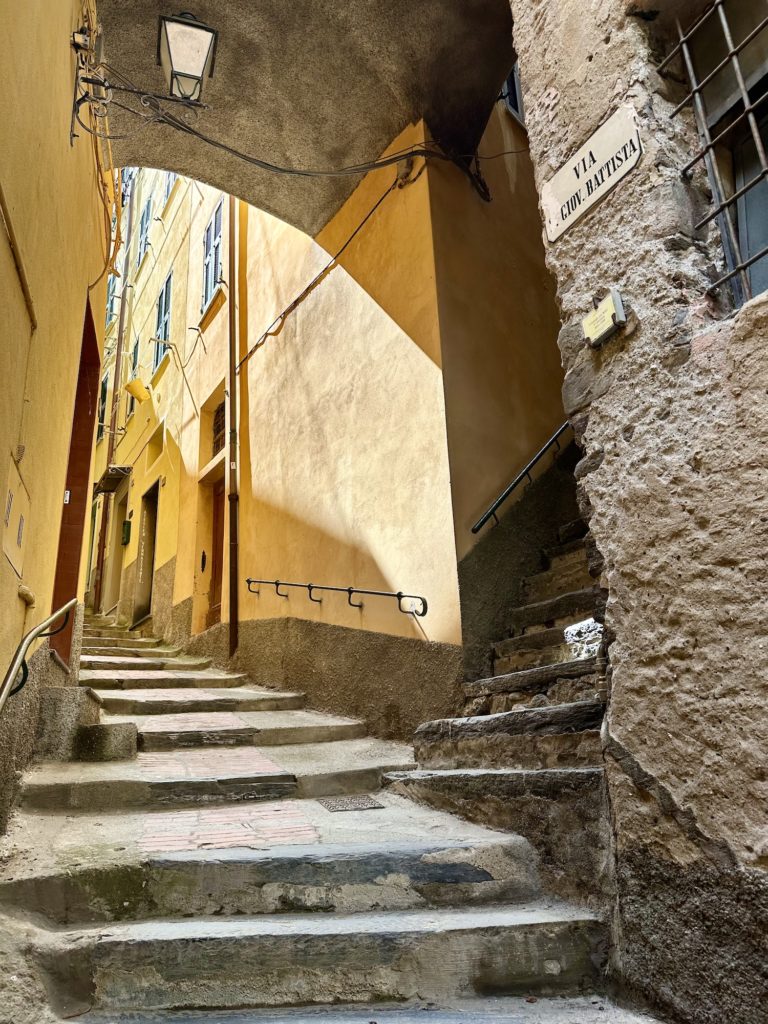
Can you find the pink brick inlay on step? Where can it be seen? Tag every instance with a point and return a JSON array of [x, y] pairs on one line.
[[216, 828]]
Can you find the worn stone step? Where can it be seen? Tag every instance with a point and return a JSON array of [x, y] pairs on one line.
[[294, 960], [164, 653], [564, 556], [130, 643], [243, 728], [554, 736], [530, 680], [166, 678], [547, 647], [572, 530], [366, 876], [560, 610], [589, 1009], [562, 811], [102, 662], [562, 579], [210, 775], [193, 700]]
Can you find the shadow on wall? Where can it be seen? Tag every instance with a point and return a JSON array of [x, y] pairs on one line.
[[491, 575]]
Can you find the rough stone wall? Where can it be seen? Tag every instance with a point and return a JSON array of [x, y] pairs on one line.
[[393, 683], [491, 575], [673, 419]]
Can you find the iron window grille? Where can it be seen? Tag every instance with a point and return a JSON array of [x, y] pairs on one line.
[[725, 57], [219, 427], [212, 255], [163, 328], [102, 412], [143, 245]]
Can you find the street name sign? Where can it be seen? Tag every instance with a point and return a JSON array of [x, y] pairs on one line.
[[593, 171]]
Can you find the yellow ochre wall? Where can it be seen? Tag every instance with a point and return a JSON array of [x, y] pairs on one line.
[[51, 209]]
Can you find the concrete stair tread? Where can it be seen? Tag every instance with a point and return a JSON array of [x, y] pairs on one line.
[[567, 776], [544, 911], [530, 678], [253, 727], [156, 662], [126, 679], [506, 1010], [181, 700], [132, 654], [128, 643], [580, 602]]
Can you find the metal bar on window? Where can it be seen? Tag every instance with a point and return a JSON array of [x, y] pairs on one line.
[[684, 37], [756, 257], [726, 131], [732, 52], [732, 199], [743, 88], [727, 227]]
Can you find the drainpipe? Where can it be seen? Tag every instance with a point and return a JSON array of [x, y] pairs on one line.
[[106, 500], [233, 495]]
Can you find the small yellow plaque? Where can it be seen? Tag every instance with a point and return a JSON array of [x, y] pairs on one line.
[[603, 321]]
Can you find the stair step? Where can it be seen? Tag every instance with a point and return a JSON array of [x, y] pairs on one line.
[[215, 775], [141, 678], [164, 653], [561, 811], [547, 647], [137, 643], [531, 680], [146, 664], [544, 947], [562, 556], [177, 701], [572, 530], [564, 608], [561, 579], [554, 736], [505, 1010], [342, 877], [246, 728]]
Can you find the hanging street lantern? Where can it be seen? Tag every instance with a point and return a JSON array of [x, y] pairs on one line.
[[186, 49]]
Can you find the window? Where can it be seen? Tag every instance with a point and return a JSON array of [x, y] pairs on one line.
[[725, 56], [111, 298], [143, 245], [219, 420], [170, 181], [512, 94], [131, 404], [101, 416], [212, 255], [163, 328]]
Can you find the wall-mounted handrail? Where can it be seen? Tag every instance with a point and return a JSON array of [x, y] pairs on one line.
[[491, 513], [349, 591], [9, 685]]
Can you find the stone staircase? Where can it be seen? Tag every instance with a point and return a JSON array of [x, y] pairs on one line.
[[197, 876], [526, 756]]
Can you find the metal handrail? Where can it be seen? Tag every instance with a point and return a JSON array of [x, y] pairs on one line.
[[349, 591], [19, 662], [491, 513]]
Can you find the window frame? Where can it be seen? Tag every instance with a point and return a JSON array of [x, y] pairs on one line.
[[163, 322], [144, 222], [212, 255], [518, 112], [134, 369], [101, 415], [171, 178]]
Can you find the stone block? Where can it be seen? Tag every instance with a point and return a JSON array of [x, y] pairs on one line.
[[116, 741]]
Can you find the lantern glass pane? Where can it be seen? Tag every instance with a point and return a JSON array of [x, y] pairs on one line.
[[185, 56]]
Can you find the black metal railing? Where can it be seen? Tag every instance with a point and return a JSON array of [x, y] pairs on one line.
[[349, 591], [11, 684], [522, 475]]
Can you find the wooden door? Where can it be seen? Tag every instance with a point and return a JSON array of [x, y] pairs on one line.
[[217, 555], [146, 558]]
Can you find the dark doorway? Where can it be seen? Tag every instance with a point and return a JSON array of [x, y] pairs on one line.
[[146, 558], [217, 556], [76, 496]]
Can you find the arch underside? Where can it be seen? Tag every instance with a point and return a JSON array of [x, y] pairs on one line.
[[313, 84]]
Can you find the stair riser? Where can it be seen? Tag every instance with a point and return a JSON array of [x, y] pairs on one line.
[[563, 814], [90, 651], [248, 737], [560, 610], [568, 559], [124, 794], [334, 880], [122, 664], [555, 582], [119, 705], [585, 688], [124, 644], [295, 970], [534, 659], [560, 750], [148, 682]]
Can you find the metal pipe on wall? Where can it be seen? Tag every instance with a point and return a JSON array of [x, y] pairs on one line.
[[233, 495], [106, 501]]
